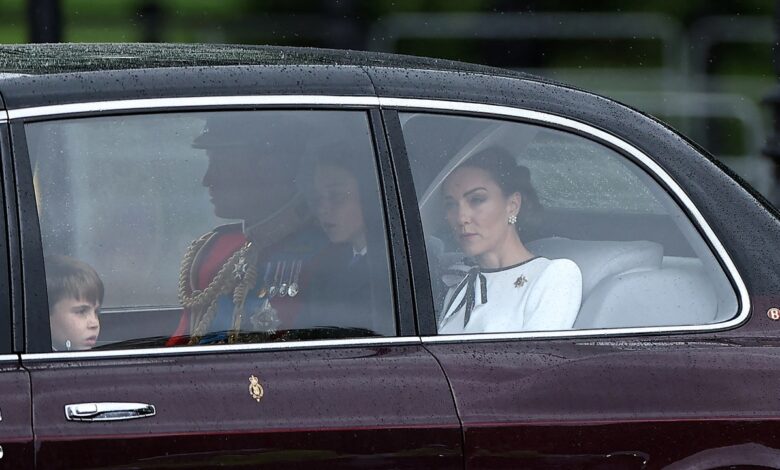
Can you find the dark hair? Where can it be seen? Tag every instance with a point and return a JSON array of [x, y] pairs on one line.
[[511, 178], [70, 278], [344, 158], [360, 165]]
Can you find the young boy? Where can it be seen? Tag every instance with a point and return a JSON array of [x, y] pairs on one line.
[[75, 295]]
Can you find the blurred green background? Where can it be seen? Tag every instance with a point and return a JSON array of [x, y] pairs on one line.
[[702, 66]]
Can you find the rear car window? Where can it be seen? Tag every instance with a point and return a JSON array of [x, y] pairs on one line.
[[211, 228]]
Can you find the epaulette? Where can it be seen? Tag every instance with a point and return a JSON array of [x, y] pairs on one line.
[[204, 245], [208, 238]]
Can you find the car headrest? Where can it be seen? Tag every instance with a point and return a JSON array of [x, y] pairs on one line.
[[600, 259]]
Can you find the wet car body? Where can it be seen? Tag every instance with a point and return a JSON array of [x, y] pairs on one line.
[[685, 398]]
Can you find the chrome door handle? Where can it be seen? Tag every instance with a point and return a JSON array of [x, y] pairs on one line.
[[108, 411]]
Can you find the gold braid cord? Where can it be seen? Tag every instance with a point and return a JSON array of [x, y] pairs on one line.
[[202, 304]]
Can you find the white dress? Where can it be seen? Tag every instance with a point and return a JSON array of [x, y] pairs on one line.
[[538, 294]]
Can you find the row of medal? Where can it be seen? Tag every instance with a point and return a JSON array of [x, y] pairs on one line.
[[285, 281]]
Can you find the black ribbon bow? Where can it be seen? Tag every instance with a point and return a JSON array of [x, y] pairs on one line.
[[469, 299]]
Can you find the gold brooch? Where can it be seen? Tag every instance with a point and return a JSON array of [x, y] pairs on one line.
[[255, 389], [520, 281]]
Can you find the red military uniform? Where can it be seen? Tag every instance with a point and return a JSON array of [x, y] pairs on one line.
[[232, 284], [219, 246]]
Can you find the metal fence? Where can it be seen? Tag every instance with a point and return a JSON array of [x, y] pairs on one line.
[[680, 87]]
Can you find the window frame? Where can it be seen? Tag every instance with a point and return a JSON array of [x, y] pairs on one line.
[[11, 329], [599, 136], [37, 335]]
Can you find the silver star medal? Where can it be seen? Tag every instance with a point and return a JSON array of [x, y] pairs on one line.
[[266, 318], [239, 270]]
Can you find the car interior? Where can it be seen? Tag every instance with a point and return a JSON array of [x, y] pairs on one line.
[[125, 195], [643, 263]]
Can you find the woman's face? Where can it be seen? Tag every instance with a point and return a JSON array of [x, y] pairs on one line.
[[477, 210], [337, 205]]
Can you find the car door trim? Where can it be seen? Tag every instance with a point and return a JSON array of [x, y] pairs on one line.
[[190, 102], [648, 163], [9, 357], [223, 348]]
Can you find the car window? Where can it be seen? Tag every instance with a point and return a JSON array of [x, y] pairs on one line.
[[529, 228], [211, 228]]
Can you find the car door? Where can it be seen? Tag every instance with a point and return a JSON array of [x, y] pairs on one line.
[[118, 199], [660, 368], [16, 438]]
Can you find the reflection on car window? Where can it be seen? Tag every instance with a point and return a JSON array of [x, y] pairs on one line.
[[535, 229], [222, 227]]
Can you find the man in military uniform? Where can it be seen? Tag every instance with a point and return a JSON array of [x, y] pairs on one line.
[[244, 279]]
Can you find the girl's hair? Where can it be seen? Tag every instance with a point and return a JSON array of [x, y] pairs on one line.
[[360, 164], [511, 178], [70, 278]]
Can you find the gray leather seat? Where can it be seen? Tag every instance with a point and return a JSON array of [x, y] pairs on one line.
[[627, 284], [600, 259], [658, 297]]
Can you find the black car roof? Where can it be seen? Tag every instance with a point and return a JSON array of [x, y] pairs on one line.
[[44, 59], [54, 74], [73, 73]]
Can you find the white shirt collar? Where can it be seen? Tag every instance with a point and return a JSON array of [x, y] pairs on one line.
[[359, 253]]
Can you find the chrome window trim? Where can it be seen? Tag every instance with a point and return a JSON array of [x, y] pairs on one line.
[[189, 102], [401, 104], [645, 161], [221, 348], [9, 75], [204, 102], [131, 310], [9, 358]]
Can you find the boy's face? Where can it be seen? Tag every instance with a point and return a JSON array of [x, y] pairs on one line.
[[76, 321]]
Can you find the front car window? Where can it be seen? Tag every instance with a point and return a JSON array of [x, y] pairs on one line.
[[535, 229], [211, 228]]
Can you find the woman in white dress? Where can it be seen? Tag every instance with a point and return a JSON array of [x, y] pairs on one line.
[[488, 199]]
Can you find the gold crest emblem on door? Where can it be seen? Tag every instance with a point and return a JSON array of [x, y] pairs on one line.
[[255, 389]]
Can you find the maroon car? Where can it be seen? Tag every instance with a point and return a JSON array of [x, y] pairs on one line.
[[257, 257]]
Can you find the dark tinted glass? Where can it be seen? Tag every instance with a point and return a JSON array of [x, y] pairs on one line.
[[211, 228]]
